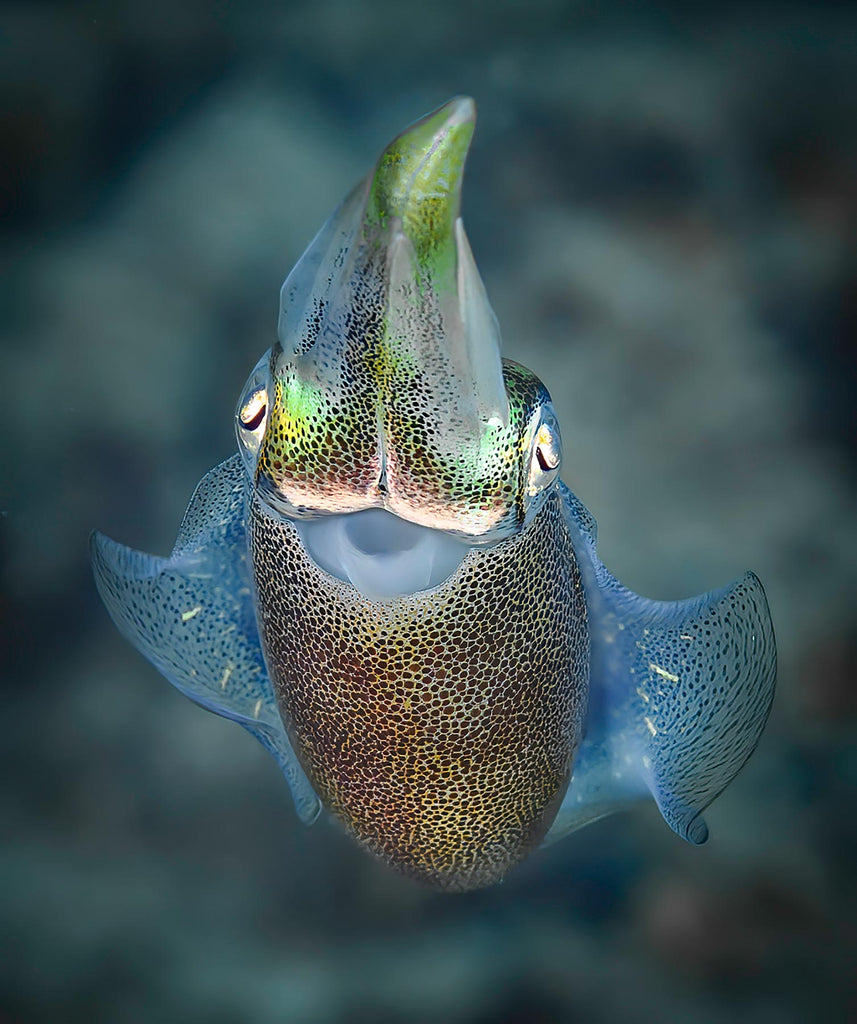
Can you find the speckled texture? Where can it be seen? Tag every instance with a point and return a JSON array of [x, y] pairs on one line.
[[439, 727], [680, 692], [321, 449], [192, 615], [388, 388], [703, 691], [476, 484]]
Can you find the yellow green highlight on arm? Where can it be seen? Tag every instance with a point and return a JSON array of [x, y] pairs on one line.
[[418, 180]]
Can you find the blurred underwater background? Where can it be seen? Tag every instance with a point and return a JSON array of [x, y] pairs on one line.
[[661, 200]]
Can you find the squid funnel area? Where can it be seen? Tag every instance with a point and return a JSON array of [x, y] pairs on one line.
[[381, 555]]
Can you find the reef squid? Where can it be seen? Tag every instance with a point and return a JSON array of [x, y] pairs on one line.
[[392, 589]]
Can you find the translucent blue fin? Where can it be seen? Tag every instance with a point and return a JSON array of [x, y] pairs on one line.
[[192, 616], [679, 695]]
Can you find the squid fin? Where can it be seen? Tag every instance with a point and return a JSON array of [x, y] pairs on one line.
[[192, 616], [679, 695]]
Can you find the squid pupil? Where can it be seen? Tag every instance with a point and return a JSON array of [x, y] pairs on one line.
[[544, 465], [255, 419]]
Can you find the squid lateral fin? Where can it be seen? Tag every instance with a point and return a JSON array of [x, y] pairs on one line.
[[679, 695], [191, 615]]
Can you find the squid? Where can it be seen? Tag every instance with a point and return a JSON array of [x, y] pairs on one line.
[[391, 588]]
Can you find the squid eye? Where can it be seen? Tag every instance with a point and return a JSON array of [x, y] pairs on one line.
[[251, 416], [253, 411], [546, 455], [547, 449]]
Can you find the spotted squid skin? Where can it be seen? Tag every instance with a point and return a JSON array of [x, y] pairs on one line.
[[440, 727]]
